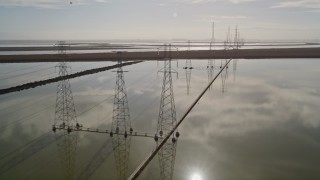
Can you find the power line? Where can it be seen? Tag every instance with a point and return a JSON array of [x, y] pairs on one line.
[[22, 69], [147, 160], [69, 76], [26, 73]]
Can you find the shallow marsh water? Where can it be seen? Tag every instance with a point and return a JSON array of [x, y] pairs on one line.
[[266, 124]]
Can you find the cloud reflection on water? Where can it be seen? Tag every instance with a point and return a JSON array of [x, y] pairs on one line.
[[259, 129], [265, 127]]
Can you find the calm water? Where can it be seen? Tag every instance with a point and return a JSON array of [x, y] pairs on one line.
[[265, 125]]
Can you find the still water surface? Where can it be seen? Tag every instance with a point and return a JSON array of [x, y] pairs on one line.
[[265, 125]]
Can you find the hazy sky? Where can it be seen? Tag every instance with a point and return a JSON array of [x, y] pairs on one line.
[[159, 19]]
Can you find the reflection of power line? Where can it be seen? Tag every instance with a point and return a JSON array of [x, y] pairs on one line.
[[23, 74], [34, 77], [29, 116], [65, 115], [27, 101], [32, 147], [98, 158], [166, 122], [21, 69], [26, 152]]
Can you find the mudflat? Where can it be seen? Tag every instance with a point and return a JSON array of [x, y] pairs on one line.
[[155, 55]]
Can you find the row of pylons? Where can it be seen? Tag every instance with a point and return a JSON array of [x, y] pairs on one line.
[[65, 118], [211, 64], [65, 114]]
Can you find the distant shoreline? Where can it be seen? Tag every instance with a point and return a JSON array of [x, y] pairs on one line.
[[154, 55]]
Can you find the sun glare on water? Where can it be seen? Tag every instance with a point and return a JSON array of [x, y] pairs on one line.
[[196, 176]]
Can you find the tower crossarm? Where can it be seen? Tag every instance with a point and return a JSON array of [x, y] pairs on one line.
[[105, 131]]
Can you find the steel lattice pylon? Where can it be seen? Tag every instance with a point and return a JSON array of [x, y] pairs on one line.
[[211, 62], [121, 123], [65, 117], [166, 122], [188, 68], [236, 43], [224, 74]]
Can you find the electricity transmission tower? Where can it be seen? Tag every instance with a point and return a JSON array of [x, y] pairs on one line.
[[188, 67], [228, 46], [65, 118], [120, 133], [236, 39], [211, 62], [237, 45], [210, 65], [121, 123], [166, 122]]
